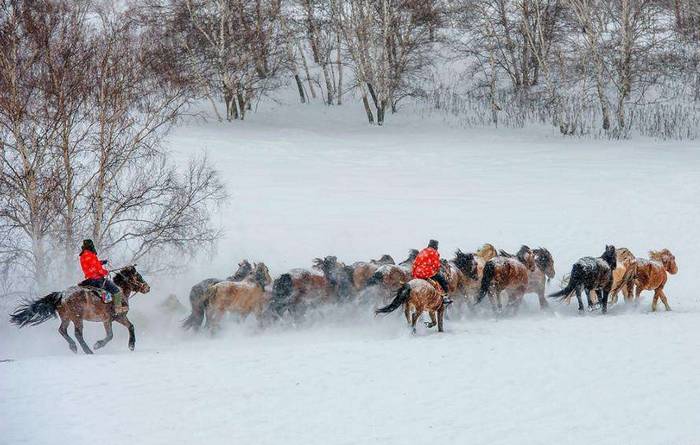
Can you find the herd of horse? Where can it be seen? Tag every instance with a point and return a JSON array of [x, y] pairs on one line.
[[487, 272]]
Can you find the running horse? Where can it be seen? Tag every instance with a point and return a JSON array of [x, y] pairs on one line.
[[418, 296], [78, 303], [507, 274]]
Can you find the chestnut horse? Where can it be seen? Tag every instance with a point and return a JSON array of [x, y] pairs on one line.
[[78, 303], [537, 280], [418, 296], [507, 274], [589, 274], [652, 275], [198, 291], [243, 297]]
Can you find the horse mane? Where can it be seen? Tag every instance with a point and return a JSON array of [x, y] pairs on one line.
[[658, 255], [487, 252], [502, 252]]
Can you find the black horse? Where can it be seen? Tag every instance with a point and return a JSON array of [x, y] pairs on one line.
[[589, 274]]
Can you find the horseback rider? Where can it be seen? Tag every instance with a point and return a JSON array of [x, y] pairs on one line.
[[427, 266], [97, 276]]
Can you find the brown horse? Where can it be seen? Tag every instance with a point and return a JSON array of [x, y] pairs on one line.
[[361, 271], [537, 280], [624, 274], [418, 296], [198, 291], [243, 297], [506, 274], [652, 275], [76, 304]]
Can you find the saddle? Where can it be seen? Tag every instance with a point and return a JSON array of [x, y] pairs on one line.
[[436, 285], [100, 293]]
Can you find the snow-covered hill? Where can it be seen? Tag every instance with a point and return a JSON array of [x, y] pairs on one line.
[[310, 181]]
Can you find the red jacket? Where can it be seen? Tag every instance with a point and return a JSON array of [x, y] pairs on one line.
[[426, 264], [92, 266]]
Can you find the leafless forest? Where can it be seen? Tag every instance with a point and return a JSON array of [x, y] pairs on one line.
[[89, 89]]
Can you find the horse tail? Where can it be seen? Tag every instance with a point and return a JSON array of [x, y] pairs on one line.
[[486, 279], [573, 282], [199, 299], [376, 278], [402, 296], [37, 311]]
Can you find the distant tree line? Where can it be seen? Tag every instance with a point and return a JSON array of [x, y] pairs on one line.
[[89, 89]]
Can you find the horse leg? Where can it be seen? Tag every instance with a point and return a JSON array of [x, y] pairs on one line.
[[440, 318], [540, 296], [578, 297], [122, 320], [604, 299], [655, 301], [628, 291], [63, 330], [407, 313], [78, 324], [433, 319], [414, 319], [664, 300], [637, 294], [108, 337]]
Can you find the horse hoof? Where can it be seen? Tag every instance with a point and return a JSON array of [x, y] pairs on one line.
[[131, 347], [88, 352], [413, 331], [74, 349], [97, 345]]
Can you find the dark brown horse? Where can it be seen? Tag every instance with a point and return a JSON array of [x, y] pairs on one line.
[[76, 304], [509, 275], [537, 281], [338, 281]]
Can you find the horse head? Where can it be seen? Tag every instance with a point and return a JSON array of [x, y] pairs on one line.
[[487, 252], [609, 256], [261, 275], [412, 254], [129, 279], [666, 258], [526, 257], [466, 262], [385, 259], [244, 269], [544, 261]]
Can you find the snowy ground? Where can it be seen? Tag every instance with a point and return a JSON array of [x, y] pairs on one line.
[[302, 188]]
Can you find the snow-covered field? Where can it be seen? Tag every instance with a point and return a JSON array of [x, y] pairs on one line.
[[308, 182]]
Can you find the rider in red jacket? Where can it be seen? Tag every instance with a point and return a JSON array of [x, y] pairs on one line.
[[427, 265], [97, 276]]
